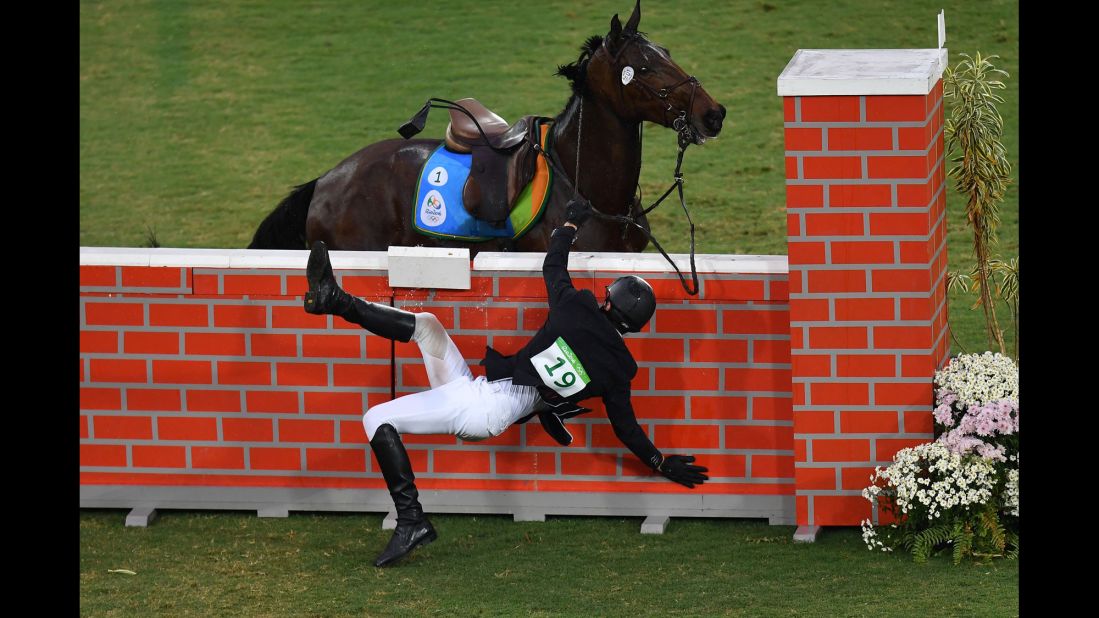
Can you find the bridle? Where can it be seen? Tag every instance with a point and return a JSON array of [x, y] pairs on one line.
[[680, 124], [685, 137]]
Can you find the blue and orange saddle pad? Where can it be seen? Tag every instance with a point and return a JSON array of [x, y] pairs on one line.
[[440, 212]]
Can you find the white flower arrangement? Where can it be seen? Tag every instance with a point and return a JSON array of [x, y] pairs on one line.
[[956, 489], [870, 537], [1011, 492], [976, 379], [950, 481]]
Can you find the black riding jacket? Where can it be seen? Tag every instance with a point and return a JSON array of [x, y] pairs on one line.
[[575, 316]]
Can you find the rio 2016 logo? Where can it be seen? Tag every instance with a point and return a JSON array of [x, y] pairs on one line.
[[433, 209]]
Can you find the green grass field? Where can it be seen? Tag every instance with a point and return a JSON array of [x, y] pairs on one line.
[[235, 564], [197, 118]]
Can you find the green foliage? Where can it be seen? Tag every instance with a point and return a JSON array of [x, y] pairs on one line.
[[979, 536], [1012, 542], [958, 282], [963, 542], [925, 541], [151, 240], [1004, 276], [991, 530], [974, 132], [1007, 288]]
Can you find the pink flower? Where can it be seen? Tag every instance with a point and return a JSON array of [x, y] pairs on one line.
[[1000, 417], [959, 443], [989, 451]]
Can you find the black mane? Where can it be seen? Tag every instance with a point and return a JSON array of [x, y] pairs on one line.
[[577, 72]]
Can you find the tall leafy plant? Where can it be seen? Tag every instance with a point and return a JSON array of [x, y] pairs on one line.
[[982, 171], [1008, 289]]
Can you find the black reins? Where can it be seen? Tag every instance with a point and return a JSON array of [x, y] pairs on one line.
[[684, 138], [629, 220]]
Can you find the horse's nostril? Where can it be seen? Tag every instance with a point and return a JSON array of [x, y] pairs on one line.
[[722, 109], [714, 117]]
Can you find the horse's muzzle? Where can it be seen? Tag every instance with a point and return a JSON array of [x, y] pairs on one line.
[[713, 119]]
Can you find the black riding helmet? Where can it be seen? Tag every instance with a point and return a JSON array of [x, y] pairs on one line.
[[632, 303]]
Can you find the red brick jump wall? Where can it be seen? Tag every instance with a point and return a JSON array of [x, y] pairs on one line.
[[203, 377], [789, 383], [866, 204]]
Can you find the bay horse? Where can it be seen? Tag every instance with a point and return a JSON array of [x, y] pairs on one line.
[[619, 81]]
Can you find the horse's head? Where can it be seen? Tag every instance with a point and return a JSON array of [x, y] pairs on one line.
[[639, 80]]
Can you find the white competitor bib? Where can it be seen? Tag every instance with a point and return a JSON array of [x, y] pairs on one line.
[[560, 369]]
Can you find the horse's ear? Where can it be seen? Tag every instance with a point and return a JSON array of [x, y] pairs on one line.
[[616, 30], [635, 19]]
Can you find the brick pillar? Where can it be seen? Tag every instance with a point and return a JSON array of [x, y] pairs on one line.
[[865, 198]]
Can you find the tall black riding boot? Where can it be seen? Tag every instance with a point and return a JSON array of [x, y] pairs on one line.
[[413, 529], [325, 296]]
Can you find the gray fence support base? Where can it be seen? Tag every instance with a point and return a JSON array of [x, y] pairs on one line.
[[655, 524], [806, 534], [141, 516], [523, 506]]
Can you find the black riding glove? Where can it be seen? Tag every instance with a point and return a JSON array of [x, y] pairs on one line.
[[552, 416], [577, 211], [680, 469]]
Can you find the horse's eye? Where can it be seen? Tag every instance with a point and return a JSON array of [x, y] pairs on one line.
[[644, 69]]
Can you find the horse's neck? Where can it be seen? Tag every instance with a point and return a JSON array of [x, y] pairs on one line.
[[610, 154]]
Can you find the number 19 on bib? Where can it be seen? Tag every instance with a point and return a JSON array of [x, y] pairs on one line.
[[560, 369]]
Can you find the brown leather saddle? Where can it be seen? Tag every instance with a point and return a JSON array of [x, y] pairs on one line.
[[501, 167]]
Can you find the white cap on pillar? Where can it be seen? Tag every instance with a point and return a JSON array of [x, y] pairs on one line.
[[825, 72]]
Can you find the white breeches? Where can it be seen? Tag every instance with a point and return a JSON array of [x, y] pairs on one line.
[[457, 404]]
